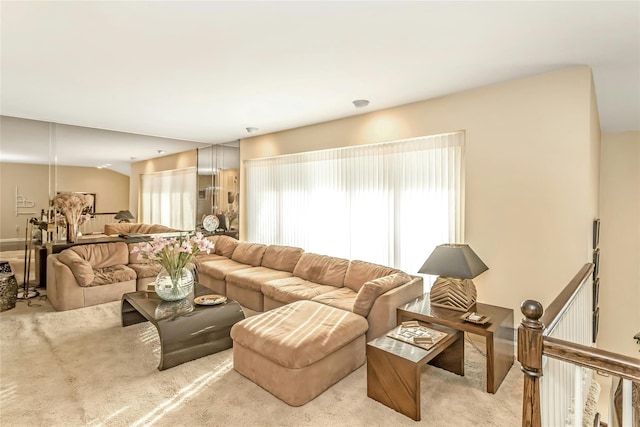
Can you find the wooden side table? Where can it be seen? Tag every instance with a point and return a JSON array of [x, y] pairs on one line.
[[393, 368], [498, 333]]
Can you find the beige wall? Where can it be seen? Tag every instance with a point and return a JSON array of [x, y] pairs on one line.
[[530, 186], [182, 160], [111, 189], [620, 243]]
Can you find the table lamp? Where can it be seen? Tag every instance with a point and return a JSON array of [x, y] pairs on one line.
[[124, 216], [456, 265]]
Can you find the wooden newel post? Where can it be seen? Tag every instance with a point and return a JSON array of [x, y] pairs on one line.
[[530, 358]]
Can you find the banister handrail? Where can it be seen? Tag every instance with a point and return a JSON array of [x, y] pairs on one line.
[[610, 363], [559, 305], [533, 343]]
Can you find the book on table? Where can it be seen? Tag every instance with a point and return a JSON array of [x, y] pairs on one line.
[[416, 334]]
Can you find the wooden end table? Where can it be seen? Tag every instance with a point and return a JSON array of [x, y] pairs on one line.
[[394, 367], [498, 332]]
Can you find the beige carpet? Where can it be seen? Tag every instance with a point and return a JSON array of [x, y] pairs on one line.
[[81, 368]]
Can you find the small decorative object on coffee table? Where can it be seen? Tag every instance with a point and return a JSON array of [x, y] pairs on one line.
[[212, 299], [174, 254]]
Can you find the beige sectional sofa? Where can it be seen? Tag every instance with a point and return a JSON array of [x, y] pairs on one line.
[[263, 277], [260, 277]]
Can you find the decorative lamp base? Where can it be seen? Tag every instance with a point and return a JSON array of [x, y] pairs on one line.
[[455, 294]]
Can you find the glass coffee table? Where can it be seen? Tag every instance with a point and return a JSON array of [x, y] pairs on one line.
[[187, 330]]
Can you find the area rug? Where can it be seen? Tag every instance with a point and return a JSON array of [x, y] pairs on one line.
[[82, 368]]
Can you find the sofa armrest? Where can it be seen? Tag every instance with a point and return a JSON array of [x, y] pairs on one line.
[[382, 316], [63, 290]]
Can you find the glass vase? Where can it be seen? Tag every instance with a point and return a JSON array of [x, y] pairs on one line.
[[72, 233], [174, 286]]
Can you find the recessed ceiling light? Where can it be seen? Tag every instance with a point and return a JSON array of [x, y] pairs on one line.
[[161, 151], [252, 129], [132, 158], [360, 103]]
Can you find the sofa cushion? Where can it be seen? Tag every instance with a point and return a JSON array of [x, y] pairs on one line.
[[136, 228], [282, 258], [136, 257], [223, 245], [218, 269], [253, 278], [293, 289], [112, 274], [81, 269], [374, 288], [249, 253], [342, 298], [146, 270], [103, 254], [360, 272], [321, 269], [204, 257], [306, 332]]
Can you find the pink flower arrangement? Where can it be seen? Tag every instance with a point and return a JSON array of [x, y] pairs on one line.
[[73, 205], [173, 253]]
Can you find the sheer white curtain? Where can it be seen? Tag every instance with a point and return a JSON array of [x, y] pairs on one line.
[[389, 203], [169, 198]]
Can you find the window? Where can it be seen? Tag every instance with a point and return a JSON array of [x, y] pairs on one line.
[[389, 203], [169, 198]]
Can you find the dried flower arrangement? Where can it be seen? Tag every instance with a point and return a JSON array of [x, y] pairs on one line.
[[73, 206]]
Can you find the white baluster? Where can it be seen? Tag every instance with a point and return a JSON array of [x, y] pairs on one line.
[[577, 392], [626, 403]]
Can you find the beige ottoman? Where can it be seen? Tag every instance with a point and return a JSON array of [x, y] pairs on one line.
[[299, 350]]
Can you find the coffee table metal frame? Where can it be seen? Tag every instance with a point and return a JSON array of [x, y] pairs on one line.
[[187, 331]]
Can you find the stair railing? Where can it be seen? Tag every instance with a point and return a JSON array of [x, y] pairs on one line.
[[556, 343]]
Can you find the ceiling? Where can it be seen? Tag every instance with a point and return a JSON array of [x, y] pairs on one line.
[[202, 72]]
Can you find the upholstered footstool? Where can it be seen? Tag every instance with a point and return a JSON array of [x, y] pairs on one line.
[[299, 350]]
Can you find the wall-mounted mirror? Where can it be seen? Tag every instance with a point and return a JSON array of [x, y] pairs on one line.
[[218, 188], [39, 159]]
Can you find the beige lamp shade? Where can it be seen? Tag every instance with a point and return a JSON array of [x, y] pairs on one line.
[[456, 264]]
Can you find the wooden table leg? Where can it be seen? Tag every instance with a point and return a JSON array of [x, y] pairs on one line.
[[452, 358], [394, 382], [500, 354]]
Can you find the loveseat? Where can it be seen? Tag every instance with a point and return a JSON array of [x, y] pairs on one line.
[[93, 274], [263, 277], [86, 275]]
